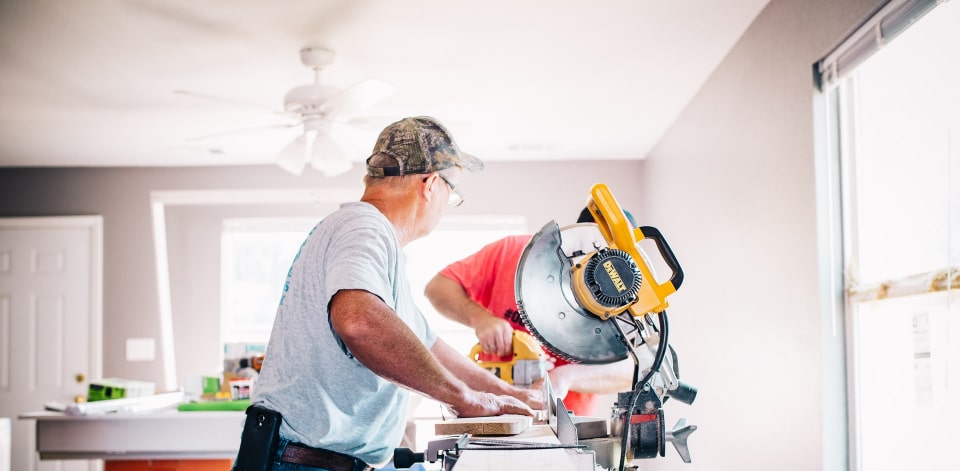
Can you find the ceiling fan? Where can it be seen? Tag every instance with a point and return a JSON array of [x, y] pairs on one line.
[[324, 113]]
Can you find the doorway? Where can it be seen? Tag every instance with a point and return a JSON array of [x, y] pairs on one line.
[[50, 322]]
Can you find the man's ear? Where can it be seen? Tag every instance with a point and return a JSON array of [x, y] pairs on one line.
[[428, 188]]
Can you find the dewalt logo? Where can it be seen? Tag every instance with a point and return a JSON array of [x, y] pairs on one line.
[[614, 276]]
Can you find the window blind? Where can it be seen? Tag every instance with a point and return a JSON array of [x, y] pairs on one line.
[[884, 24]]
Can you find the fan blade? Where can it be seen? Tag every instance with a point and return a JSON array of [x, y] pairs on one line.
[[226, 100], [328, 156], [293, 156], [357, 98], [240, 131]]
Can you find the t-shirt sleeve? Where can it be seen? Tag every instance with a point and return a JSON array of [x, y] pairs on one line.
[[359, 259], [356, 259], [364, 256], [477, 272]]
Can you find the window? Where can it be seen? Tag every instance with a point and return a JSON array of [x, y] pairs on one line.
[[895, 139], [256, 255]]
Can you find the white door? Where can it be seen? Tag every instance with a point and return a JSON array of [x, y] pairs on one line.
[[50, 322]]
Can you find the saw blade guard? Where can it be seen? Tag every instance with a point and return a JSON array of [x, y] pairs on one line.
[[550, 309], [570, 282]]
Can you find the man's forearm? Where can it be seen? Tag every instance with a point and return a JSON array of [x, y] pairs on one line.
[[452, 302], [450, 299], [385, 345], [595, 379], [474, 376]]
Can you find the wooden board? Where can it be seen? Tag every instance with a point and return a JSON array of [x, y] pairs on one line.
[[499, 425]]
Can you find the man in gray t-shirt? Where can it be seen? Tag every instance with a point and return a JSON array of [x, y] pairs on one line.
[[348, 341]]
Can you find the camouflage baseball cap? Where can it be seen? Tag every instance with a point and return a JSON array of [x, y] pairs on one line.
[[419, 145]]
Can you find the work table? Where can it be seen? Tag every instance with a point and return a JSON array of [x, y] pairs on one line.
[[552, 459], [167, 434], [215, 435]]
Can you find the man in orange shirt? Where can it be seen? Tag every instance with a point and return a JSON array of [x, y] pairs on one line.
[[478, 291]]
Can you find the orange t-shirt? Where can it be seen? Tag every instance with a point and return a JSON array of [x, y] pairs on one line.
[[488, 277]]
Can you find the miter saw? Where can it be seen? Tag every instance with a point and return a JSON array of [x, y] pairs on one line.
[[589, 294]]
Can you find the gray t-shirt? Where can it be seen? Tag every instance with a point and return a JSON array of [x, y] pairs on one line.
[[327, 398]]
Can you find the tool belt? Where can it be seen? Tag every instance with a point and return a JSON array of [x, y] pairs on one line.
[[258, 441], [261, 437], [320, 458]]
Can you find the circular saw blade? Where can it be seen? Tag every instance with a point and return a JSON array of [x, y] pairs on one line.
[[549, 308]]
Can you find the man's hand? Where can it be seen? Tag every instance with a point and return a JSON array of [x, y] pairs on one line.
[[488, 404], [535, 396], [451, 301], [495, 335]]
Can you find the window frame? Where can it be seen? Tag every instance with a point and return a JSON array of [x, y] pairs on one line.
[[836, 143]]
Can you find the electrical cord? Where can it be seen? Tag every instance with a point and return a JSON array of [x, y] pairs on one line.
[[657, 361]]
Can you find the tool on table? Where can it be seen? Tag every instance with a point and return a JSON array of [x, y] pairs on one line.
[[118, 388], [449, 450], [524, 367], [589, 293]]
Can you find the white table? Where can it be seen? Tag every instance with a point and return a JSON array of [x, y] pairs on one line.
[[135, 436]]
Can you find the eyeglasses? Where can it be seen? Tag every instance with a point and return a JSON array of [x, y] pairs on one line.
[[456, 198]]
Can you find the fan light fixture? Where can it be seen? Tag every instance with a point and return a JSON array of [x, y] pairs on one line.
[[323, 110], [327, 114], [317, 146]]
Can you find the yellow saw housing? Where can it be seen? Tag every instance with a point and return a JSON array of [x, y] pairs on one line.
[[614, 279], [571, 281]]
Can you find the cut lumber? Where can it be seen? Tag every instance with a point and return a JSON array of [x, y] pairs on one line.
[[498, 425]]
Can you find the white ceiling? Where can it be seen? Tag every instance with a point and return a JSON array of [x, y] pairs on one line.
[[90, 82]]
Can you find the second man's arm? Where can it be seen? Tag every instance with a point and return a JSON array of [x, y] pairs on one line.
[[451, 301]]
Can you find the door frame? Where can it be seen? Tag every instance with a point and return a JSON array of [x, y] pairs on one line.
[[94, 225]]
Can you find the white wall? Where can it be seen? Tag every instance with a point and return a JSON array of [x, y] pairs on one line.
[[733, 183]]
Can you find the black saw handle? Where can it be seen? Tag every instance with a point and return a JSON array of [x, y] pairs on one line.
[[650, 232]]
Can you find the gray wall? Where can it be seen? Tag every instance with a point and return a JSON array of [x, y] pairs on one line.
[[538, 191]]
